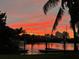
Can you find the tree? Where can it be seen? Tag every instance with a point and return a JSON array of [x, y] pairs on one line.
[[9, 38], [59, 35], [65, 35], [73, 6]]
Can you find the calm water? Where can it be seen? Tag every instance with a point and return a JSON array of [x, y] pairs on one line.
[[34, 48]]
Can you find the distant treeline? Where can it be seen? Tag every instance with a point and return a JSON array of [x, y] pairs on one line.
[[47, 38]]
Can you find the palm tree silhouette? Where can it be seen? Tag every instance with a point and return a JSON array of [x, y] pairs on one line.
[[9, 38], [73, 6]]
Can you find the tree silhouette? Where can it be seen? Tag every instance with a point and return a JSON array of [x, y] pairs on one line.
[[9, 38], [73, 6], [59, 35], [65, 35]]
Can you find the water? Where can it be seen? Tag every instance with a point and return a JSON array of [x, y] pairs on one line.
[[34, 48]]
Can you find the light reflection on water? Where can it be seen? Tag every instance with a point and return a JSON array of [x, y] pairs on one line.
[[34, 48]]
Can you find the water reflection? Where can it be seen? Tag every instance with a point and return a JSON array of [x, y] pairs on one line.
[[34, 48]]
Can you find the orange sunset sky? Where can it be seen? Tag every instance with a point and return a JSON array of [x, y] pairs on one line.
[[29, 15]]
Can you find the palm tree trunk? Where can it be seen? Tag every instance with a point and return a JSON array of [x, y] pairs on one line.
[[24, 46], [46, 45], [75, 43], [75, 39], [64, 43]]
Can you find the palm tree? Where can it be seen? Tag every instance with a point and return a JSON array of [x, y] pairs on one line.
[[9, 38], [73, 6]]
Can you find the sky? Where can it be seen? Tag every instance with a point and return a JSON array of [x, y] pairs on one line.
[[29, 15]]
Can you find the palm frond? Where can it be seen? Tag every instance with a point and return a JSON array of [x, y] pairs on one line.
[[49, 4], [2, 15], [58, 18], [62, 4]]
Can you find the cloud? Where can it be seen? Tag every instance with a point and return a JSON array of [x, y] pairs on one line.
[[36, 28], [41, 28], [29, 15]]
